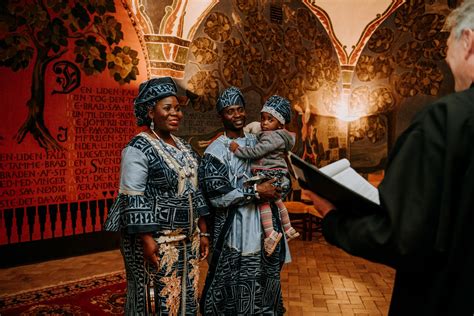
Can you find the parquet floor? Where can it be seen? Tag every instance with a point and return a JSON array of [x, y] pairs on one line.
[[321, 280]]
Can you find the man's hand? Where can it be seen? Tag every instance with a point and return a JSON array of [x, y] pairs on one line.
[[150, 249], [233, 146], [267, 191], [204, 247], [322, 205]]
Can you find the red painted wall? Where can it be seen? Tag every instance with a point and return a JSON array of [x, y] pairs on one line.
[[64, 186]]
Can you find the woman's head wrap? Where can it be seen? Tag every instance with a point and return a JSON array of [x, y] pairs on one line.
[[279, 107], [230, 96], [149, 92]]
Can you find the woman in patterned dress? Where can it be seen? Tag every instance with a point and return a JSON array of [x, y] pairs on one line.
[[159, 209]]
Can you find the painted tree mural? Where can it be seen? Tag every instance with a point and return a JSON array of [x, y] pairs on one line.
[[41, 32]]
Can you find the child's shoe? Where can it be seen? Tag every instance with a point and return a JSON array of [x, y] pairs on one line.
[[271, 242], [291, 233]]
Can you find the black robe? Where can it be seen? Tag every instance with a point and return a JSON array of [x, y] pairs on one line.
[[425, 229]]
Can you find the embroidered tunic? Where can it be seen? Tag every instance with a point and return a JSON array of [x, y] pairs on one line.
[[241, 280], [158, 194]]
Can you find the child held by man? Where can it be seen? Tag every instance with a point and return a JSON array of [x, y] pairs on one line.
[[268, 156]]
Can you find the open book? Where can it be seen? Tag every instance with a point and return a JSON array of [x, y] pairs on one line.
[[338, 183]]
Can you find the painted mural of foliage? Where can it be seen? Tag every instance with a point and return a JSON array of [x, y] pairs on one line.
[[122, 64], [290, 58], [358, 100], [329, 93], [429, 77], [406, 16], [426, 78], [205, 88], [247, 6], [255, 27], [50, 29], [260, 72], [365, 68], [233, 70], [406, 85], [331, 71], [292, 40], [379, 100], [407, 57], [305, 24], [381, 40], [370, 68], [217, 27], [427, 26], [323, 47], [435, 48], [280, 59], [408, 54], [205, 50], [373, 128], [294, 88], [312, 70]]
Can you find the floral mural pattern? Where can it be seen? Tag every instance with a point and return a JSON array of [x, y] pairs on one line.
[[294, 58], [401, 60], [288, 58]]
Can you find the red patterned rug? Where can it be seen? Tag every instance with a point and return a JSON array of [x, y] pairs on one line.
[[103, 295]]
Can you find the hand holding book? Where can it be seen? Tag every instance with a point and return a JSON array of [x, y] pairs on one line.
[[321, 204], [338, 183]]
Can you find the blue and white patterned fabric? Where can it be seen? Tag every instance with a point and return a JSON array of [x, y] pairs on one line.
[[149, 92], [279, 107], [241, 279], [230, 96], [149, 202]]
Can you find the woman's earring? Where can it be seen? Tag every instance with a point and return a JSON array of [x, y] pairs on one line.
[[152, 126]]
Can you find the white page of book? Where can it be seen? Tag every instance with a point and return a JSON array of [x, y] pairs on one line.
[[335, 167], [354, 181]]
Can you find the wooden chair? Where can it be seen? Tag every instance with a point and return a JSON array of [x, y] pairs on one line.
[[303, 214]]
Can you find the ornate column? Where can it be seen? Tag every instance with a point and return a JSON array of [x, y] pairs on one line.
[[166, 29]]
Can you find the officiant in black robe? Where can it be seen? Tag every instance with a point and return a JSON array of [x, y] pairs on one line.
[[425, 227]]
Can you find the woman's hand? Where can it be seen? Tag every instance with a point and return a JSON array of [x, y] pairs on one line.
[[322, 205], [150, 249], [233, 146], [204, 247]]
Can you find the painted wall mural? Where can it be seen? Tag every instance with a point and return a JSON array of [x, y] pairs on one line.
[[400, 70], [264, 49], [40, 34], [70, 71]]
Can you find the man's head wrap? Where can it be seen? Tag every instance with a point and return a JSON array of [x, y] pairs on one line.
[[279, 107], [230, 96], [149, 93]]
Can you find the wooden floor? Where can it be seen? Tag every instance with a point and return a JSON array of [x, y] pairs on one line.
[[321, 280]]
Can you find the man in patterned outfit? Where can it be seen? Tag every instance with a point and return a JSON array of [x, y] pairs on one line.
[[241, 280]]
